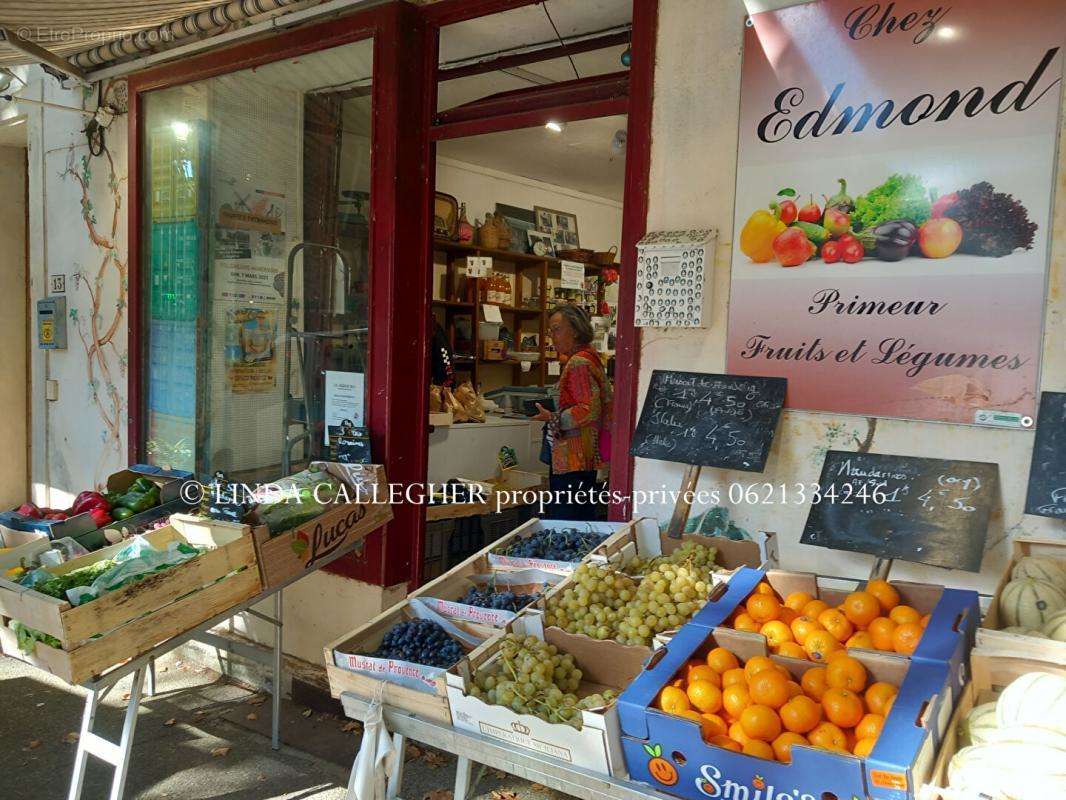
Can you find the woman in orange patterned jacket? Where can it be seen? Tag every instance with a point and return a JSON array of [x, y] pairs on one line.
[[579, 432]]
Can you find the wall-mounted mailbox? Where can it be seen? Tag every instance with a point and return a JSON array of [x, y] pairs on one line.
[[52, 323]]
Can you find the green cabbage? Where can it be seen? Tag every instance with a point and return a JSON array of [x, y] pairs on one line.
[[900, 197]]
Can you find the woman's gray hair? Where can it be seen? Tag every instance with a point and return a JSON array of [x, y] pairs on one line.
[[578, 319]]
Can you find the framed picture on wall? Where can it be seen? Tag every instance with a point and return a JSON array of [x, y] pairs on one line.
[[540, 244], [520, 221], [562, 225]]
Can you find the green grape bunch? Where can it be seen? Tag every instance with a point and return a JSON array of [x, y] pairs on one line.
[[603, 602], [533, 677]]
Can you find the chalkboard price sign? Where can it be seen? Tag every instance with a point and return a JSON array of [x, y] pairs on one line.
[[1047, 472], [706, 420], [926, 510]]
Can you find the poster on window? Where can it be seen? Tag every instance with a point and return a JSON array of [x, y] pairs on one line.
[[248, 282], [895, 179], [251, 350]]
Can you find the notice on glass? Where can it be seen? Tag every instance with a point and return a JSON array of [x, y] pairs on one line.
[[248, 283], [344, 401], [572, 275]]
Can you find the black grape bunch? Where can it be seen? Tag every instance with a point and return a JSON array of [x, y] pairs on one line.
[[567, 544], [502, 601], [420, 641]]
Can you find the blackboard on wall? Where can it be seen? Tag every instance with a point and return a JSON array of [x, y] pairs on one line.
[[725, 421], [926, 510], [1046, 496]]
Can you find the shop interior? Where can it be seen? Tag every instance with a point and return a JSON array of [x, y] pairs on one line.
[[544, 203]]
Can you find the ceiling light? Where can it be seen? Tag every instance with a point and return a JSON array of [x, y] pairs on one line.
[[946, 33], [181, 130], [554, 126]]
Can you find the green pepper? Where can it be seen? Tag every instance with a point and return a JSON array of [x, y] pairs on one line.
[[139, 501], [121, 512], [141, 484], [112, 497]]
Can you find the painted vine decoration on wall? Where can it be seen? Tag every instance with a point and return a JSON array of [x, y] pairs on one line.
[[105, 360]]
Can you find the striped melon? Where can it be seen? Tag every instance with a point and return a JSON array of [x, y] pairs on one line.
[[1009, 771], [1028, 734], [1036, 698], [979, 724], [1042, 568], [1029, 602], [1025, 631], [1055, 627]]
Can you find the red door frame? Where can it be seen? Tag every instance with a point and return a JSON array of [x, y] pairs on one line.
[[397, 417]]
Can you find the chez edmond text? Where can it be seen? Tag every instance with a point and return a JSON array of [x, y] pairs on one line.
[[891, 351]]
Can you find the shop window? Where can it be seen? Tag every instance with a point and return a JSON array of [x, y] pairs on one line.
[[250, 179]]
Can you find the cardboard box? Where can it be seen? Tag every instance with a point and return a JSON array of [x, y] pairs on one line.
[[989, 636], [329, 536], [948, 637], [494, 349], [596, 747], [991, 674], [129, 621], [901, 760], [529, 528], [412, 687], [21, 548], [443, 594]]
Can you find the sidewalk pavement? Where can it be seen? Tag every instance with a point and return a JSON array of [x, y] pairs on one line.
[[200, 738]]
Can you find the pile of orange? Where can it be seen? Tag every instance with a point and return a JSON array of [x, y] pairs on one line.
[[759, 709], [801, 626]]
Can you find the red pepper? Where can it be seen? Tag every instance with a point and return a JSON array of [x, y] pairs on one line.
[[29, 510], [100, 517], [86, 501], [56, 516], [831, 252], [853, 252]]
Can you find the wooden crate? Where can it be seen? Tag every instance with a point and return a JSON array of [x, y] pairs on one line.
[[21, 548], [990, 674], [615, 531], [139, 616], [989, 636], [431, 704], [327, 537], [440, 511]]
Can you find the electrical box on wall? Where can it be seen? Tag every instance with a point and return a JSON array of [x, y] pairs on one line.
[[52, 323], [673, 278]]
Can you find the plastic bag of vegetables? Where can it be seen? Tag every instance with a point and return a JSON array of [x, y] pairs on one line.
[[301, 498]]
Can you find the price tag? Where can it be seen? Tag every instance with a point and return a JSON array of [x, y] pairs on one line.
[[491, 312]]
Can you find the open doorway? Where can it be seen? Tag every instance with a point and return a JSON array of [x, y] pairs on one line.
[[531, 148], [14, 324]]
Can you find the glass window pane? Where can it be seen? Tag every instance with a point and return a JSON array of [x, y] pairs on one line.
[[256, 207]]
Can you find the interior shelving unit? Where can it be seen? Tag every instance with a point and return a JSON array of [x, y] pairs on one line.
[[518, 317]]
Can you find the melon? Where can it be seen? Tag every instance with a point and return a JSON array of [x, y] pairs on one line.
[[979, 723], [1027, 734], [1042, 568], [1055, 627], [1036, 698], [1030, 602], [1009, 771], [1018, 629]]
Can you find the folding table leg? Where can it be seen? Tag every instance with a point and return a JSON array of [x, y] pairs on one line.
[[462, 778], [275, 716], [150, 682], [92, 702]]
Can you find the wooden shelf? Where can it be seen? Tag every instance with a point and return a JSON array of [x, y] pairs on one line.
[[454, 304], [525, 259]]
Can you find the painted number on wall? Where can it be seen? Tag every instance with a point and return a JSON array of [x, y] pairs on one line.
[[58, 284]]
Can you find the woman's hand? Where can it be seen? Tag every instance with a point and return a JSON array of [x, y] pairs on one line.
[[542, 415]]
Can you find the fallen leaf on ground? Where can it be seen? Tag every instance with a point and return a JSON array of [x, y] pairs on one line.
[[220, 752], [261, 778], [170, 722], [412, 751], [307, 712], [125, 695], [499, 794], [439, 794], [351, 727], [33, 744], [72, 737], [252, 717], [434, 759], [162, 669], [256, 700]]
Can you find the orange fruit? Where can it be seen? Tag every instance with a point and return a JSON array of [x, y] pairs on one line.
[[902, 614], [776, 633], [842, 707], [814, 682], [792, 650], [794, 689], [760, 722], [731, 677], [845, 673], [797, 600], [701, 672], [704, 696], [802, 626], [863, 747], [763, 607], [906, 637], [869, 726], [673, 700], [924, 621], [713, 725], [783, 746], [861, 639], [879, 696], [735, 699], [763, 587], [768, 688], [833, 655], [828, 737], [885, 592], [837, 624], [819, 644], [888, 706], [678, 683], [707, 728], [801, 714], [881, 630], [814, 608], [744, 622], [726, 742], [721, 660], [786, 615], [759, 749], [736, 733], [757, 664], [861, 608]]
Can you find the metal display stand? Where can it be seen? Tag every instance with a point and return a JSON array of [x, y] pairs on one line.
[[471, 748]]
